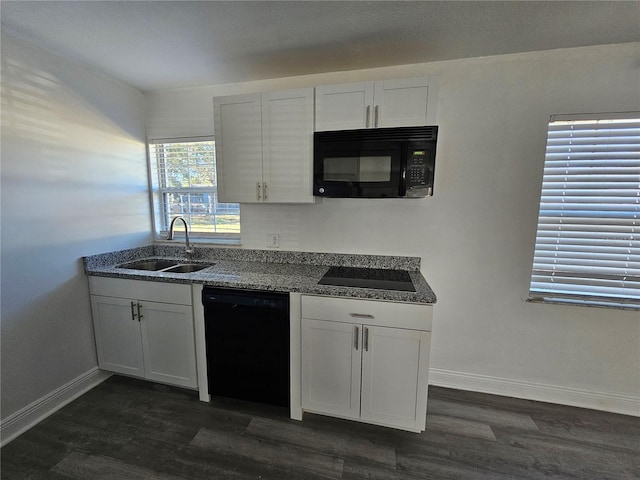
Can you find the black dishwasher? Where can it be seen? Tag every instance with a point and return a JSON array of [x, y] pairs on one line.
[[247, 336]]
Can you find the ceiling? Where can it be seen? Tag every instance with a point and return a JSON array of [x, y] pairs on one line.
[[155, 45]]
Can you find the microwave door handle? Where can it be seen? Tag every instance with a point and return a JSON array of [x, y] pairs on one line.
[[403, 176]]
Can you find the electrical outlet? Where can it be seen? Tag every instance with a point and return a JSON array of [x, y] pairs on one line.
[[273, 240]]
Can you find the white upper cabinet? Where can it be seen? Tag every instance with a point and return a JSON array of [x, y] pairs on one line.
[[238, 130], [264, 146], [287, 147], [401, 103], [373, 104], [344, 107]]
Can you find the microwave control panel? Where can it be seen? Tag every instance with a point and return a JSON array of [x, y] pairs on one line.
[[417, 174]]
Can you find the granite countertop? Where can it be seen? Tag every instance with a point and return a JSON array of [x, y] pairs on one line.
[[263, 270]]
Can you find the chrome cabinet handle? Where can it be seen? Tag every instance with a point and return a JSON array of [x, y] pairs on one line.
[[264, 191], [376, 115], [139, 312], [362, 315], [368, 119], [357, 335], [133, 313], [258, 191], [365, 339]]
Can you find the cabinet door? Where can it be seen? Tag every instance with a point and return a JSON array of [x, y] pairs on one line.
[[238, 129], [344, 106], [168, 343], [394, 377], [287, 151], [400, 103], [117, 332], [331, 362]]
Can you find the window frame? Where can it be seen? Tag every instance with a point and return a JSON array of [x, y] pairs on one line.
[[157, 192], [605, 282]]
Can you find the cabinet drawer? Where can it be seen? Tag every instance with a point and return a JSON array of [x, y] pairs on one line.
[[177, 293], [370, 312]]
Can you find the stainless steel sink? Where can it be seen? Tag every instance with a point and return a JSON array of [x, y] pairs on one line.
[[169, 266], [153, 265], [187, 268]]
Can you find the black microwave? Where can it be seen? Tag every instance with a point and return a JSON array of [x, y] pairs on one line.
[[375, 162]]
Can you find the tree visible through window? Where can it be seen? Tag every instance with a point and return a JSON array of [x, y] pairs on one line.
[[186, 185], [588, 240]]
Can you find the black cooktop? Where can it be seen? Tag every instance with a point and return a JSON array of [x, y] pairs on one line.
[[378, 278]]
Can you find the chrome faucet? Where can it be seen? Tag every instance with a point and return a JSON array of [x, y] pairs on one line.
[[188, 247]]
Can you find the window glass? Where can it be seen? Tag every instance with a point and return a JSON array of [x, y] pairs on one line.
[[185, 185]]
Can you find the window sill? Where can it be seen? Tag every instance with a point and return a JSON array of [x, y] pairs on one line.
[[227, 242], [577, 302]]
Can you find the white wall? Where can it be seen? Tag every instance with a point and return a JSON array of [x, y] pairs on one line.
[[74, 183], [476, 235]]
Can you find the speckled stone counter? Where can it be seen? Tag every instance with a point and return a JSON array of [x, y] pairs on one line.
[[271, 270]]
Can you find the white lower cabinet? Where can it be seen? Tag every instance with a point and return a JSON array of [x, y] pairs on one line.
[[331, 366], [118, 336], [392, 390], [145, 329], [366, 360]]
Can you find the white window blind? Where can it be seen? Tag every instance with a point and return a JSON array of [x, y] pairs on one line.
[[186, 186], [588, 239]]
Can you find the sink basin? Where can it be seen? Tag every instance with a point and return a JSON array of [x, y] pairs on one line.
[[161, 265], [188, 268], [153, 265]]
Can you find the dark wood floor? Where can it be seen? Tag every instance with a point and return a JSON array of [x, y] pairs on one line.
[[135, 430]]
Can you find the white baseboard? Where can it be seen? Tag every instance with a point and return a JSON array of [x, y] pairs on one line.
[[608, 402], [25, 418]]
